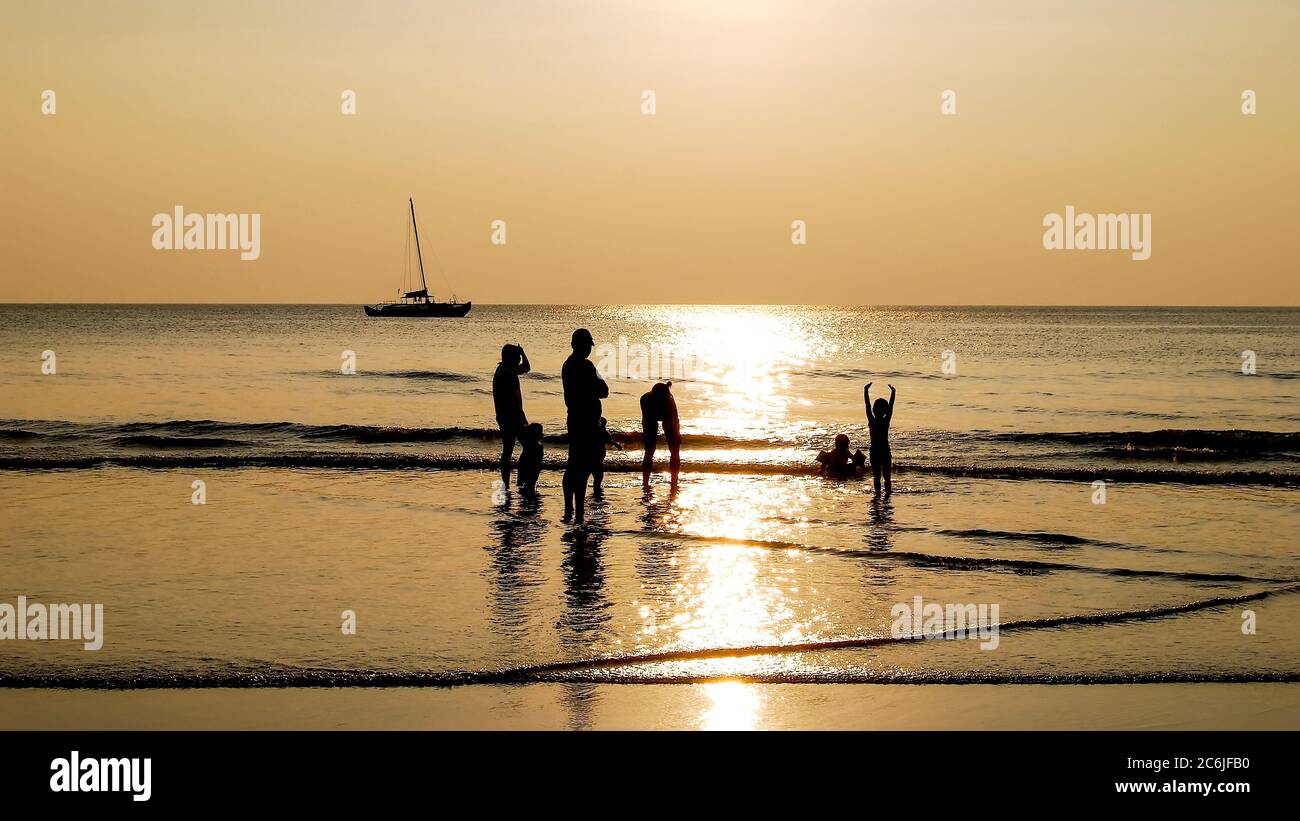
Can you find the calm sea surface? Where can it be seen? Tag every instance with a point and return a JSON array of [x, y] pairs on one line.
[[372, 492]]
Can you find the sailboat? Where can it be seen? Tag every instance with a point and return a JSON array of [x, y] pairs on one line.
[[418, 303]]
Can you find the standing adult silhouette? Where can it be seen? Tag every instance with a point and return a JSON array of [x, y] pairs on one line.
[[509, 401], [583, 390]]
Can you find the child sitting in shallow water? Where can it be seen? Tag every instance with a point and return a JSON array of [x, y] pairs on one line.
[[839, 463]]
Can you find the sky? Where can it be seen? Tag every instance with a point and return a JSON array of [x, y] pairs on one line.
[[765, 112]]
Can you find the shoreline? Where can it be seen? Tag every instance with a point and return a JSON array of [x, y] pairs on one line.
[[718, 705]]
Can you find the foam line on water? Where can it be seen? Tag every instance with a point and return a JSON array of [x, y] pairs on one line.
[[587, 669], [392, 461], [862, 642], [962, 562]]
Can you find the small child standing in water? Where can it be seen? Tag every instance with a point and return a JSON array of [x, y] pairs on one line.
[[530, 458], [604, 438], [878, 425]]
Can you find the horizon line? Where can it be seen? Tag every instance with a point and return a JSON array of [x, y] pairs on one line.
[[685, 304]]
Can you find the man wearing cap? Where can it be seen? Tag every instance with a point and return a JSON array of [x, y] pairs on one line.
[[583, 390]]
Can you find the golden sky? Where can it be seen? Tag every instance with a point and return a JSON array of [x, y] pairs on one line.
[[766, 112]]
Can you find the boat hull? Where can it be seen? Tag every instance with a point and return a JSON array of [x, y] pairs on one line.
[[420, 309]]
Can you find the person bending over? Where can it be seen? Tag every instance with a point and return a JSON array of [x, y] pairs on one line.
[[658, 405]]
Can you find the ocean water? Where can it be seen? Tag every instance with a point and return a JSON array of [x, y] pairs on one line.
[[1129, 391], [373, 492]]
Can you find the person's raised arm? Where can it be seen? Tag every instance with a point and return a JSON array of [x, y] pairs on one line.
[[523, 366], [866, 397], [891, 400]]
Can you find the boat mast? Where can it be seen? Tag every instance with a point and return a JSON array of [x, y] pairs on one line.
[[419, 255]]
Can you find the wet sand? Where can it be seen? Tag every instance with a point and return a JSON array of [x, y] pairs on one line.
[[719, 705]]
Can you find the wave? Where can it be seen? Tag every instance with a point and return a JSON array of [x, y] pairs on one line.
[[18, 433], [429, 376], [397, 461], [320, 678], [374, 434], [153, 441], [858, 642], [1111, 443], [877, 376], [937, 561], [1108, 474], [1053, 539], [181, 427], [1238, 441], [367, 434], [245, 434], [1167, 454], [590, 669], [1016, 455], [1270, 375]]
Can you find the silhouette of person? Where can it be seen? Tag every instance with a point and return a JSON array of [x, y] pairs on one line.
[[509, 402], [839, 462], [530, 458], [878, 425], [583, 390], [658, 405], [598, 467]]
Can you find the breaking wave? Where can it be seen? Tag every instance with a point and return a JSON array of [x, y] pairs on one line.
[[401, 461]]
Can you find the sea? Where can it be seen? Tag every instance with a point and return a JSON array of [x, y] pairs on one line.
[[301, 496]]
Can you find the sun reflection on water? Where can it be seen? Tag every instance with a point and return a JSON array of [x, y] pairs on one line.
[[727, 508], [723, 589], [741, 362], [730, 594], [733, 705]]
